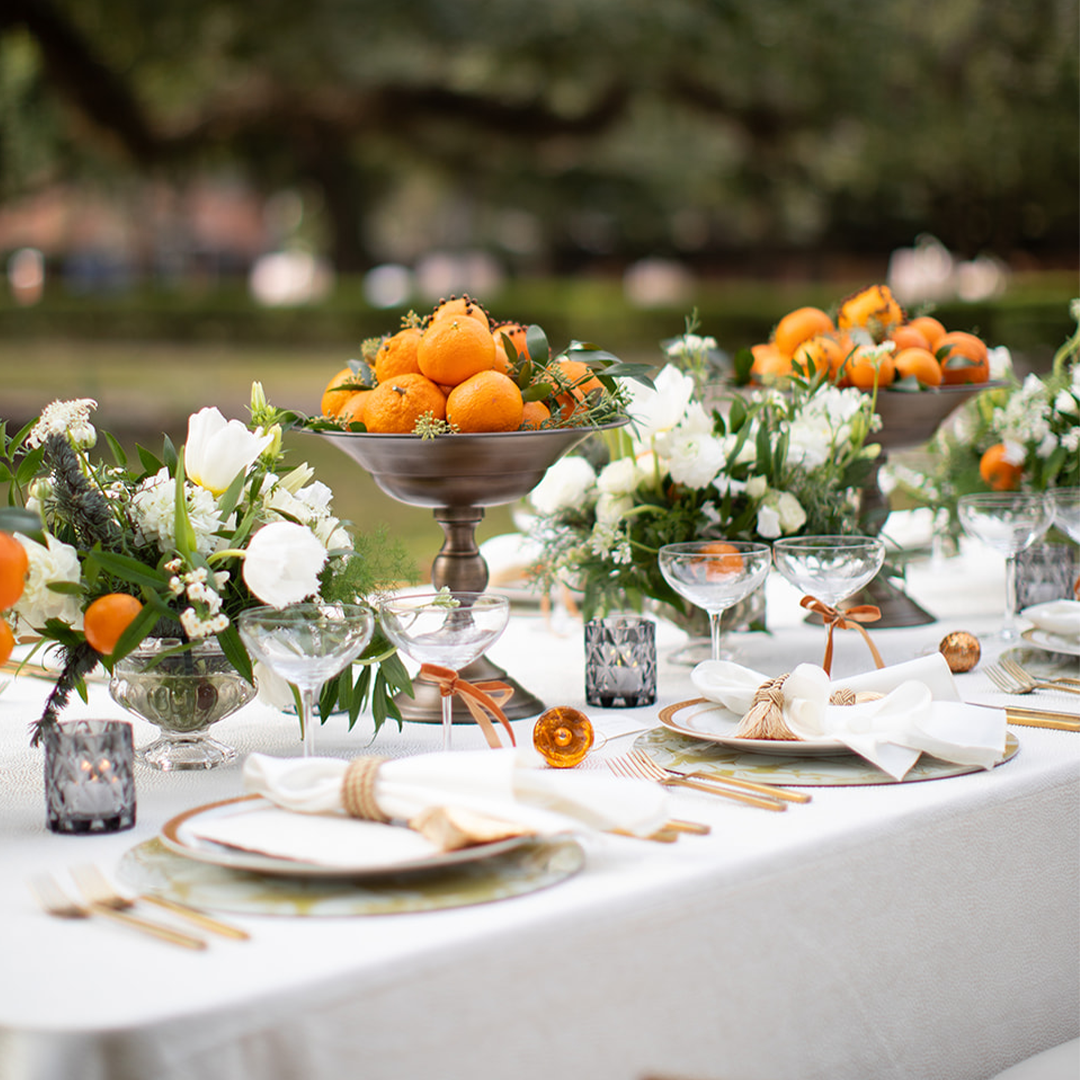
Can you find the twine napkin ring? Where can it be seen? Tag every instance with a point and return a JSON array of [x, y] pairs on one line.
[[850, 618], [483, 699], [765, 717], [358, 789]]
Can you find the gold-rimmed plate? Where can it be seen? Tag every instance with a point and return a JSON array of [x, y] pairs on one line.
[[1057, 643], [249, 833], [712, 722]]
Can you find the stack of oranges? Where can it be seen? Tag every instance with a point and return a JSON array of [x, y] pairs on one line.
[[455, 367], [14, 566], [922, 351]]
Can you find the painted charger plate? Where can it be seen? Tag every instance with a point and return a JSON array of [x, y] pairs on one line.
[[362, 849], [1058, 643], [712, 722]]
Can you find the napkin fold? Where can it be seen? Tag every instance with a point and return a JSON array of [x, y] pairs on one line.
[[919, 711], [1060, 617], [508, 785]]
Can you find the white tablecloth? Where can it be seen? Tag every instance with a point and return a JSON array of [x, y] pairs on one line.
[[915, 930]]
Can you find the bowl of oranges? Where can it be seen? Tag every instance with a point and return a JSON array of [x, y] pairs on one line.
[[455, 409], [920, 370]]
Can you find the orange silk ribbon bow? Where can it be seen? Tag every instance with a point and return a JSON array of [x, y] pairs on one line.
[[850, 619], [481, 698]]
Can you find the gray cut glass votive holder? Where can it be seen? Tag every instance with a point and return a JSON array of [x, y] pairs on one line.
[[620, 661], [89, 777]]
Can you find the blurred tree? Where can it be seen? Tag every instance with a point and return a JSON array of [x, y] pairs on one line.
[[615, 127]]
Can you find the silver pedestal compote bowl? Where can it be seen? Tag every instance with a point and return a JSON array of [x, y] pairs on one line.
[[457, 476]]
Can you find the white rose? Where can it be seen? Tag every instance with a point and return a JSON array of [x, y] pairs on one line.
[[620, 477], [282, 563], [611, 509], [565, 484], [756, 487], [792, 515], [218, 449], [768, 521], [52, 562], [696, 459]]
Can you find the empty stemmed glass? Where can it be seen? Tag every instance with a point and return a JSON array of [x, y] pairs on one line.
[[446, 629], [1066, 504], [715, 575], [1009, 522], [306, 644], [830, 569]]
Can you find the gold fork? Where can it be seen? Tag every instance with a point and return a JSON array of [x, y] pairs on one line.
[[57, 902], [1008, 683], [1023, 675], [637, 765], [96, 888]]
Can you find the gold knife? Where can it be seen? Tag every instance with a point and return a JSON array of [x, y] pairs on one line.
[[1034, 718]]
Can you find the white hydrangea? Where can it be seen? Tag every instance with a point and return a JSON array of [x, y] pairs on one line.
[[154, 508]]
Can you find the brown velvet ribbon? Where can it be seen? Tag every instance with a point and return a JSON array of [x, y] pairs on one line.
[[483, 699], [850, 618]]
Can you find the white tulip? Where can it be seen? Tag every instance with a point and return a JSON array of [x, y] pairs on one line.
[[218, 449], [282, 563]]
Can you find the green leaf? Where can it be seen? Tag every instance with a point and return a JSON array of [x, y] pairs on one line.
[[536, 343], [231, 498], [128, 569], [169, 455], [30, 465], [737, 414], [742, 362], [118, 453], [18, 519], [67, 588], [233, 648], [185, 532], [907, 385], [136, 630], [150, 462], [540, 391]]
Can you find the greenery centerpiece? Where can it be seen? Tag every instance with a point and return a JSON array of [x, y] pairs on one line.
[[178, 545], [754, 465]]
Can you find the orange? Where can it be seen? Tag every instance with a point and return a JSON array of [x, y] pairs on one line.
[[14, 565], [822, 351], [489, 401], [464, 305], [575, 381], [502, 361], [930, 329], [730, 561], [352, 412], [909, 337], [338, 390], [919, 363], [534, 415], [800, 325], [7, 642], [1000, 474], [769, 362], [866, 373], [107, 618], [963, 358], [394, 406], [397, 354], [455, 347], [873, 309]]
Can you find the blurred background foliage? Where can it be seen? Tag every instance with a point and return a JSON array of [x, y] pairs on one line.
[[751, 155]]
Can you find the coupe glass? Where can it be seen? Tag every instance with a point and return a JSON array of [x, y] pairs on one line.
[[450, 629], [1066, 504], [715, 575], [1009, 522], [306, 644], [830, 568]]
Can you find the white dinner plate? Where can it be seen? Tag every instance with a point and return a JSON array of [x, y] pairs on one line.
[[361, 848], [1058, 643], [710, 721]]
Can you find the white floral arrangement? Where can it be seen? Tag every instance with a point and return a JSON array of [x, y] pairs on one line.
[[758, 465], [186, 541]]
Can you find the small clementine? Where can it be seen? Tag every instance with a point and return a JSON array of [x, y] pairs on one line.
[[1000, 473], [107, 618], [14, 565]]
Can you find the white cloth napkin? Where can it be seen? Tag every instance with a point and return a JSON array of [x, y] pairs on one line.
[[921, 711], [1060, 617], [509, 784]]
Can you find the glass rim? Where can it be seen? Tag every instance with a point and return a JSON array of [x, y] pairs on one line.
[[815, 543], [305, 608], [990, 498], [694, 547], [419, 599]]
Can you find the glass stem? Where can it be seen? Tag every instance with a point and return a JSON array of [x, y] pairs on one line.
[[1008, 626], [447, 720], [715, 632], [307, 721]]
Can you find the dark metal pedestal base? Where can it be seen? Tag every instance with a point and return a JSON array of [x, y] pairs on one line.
[[426, 706]]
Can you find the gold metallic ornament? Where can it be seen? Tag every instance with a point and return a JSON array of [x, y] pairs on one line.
[[564, 736], [961, 650]]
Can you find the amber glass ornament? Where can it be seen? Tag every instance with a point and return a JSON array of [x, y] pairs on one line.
[[564, 736], [961, 650]]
